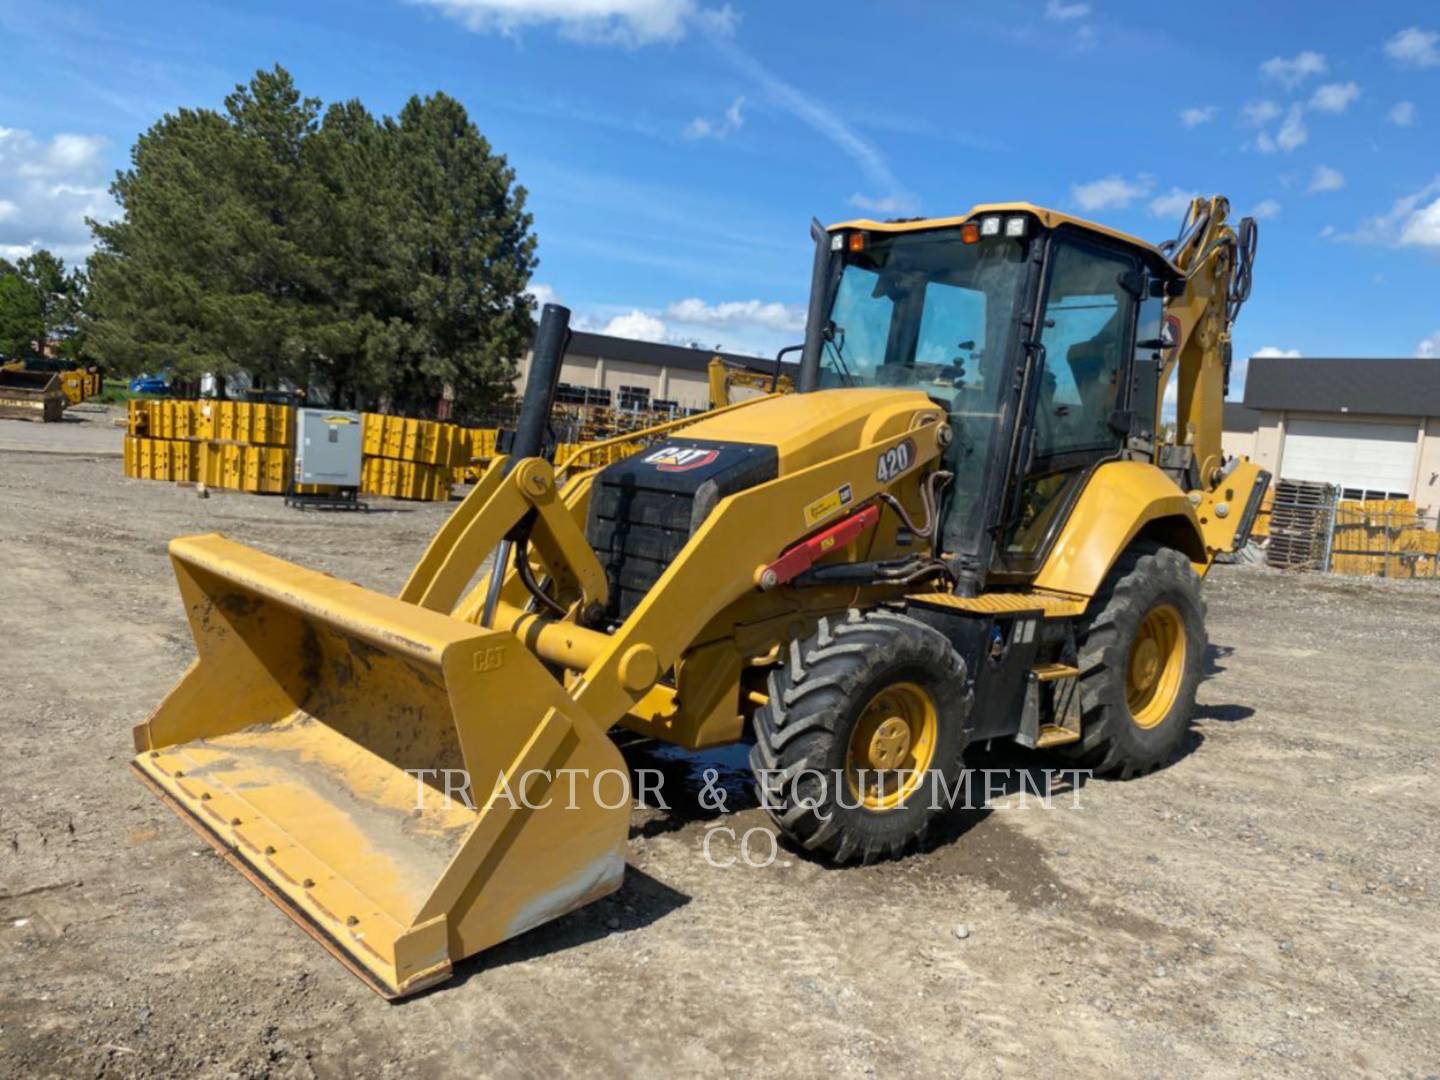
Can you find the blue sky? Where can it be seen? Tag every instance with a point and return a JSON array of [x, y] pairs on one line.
[[675, 151]]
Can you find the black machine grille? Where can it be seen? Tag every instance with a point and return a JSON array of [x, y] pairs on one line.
[[643, 510]]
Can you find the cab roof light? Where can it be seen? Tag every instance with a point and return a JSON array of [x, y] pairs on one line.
[[1015, 227], [837, 242], [970, 233], [856, 242], [990, 226]]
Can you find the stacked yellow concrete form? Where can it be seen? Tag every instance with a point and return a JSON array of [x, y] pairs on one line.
[[1383, 537], [414, 459], [234, 445], [242, 446]]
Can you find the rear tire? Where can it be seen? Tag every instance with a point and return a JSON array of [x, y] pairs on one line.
[[876, 691], [1141, 655]]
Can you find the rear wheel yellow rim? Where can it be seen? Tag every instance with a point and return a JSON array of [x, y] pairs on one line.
[[1157, 666], [892, 746]]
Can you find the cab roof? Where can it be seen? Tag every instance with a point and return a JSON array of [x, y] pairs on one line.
[[1050, 219]]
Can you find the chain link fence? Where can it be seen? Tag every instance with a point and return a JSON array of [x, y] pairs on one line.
[[1311, 526]]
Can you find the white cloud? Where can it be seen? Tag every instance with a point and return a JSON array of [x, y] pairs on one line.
[[738, 313], [751, 327], [639, 325], [1265, 209], [1060, 11], [1422, 228], [1293, 131], [1414, 47], [1327, 232], [1402, 114], [1292, 134], [727, 125], [1172, 204], [65, 154], [1326, 179], [1334, 97], [824, 120], [1198, 114], [1429, 349], [613, 22], [1111, 192], [541, 295], [1259, 113], [886, 205], [1291, 72], [47, 190], [1272, 350], [1412, 221], [643, 22]]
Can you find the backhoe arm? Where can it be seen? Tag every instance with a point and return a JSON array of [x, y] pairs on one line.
[[1216, 262]]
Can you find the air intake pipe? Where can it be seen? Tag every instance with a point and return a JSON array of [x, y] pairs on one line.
[[541, 382]]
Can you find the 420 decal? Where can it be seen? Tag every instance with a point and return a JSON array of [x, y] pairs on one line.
[[895, 461]]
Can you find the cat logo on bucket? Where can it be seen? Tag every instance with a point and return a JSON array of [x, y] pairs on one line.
[[680, 458]]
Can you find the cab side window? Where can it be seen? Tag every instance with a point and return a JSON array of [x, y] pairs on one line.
[[1087, 333], [1087, 327]]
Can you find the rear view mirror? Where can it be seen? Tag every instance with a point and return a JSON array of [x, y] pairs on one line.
[[1163, 343]]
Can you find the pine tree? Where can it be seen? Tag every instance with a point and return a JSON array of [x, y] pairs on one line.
[[39, 306], [370, 261]]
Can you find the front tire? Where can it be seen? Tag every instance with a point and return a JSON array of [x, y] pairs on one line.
[[1141, 655], [866, 718]]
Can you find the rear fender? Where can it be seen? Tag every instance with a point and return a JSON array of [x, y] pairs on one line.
[[1122, 502]]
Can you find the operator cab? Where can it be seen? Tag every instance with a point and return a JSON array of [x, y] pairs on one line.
[[1010, 313]]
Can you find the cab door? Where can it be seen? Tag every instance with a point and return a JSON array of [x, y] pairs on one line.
[[1077, 392]]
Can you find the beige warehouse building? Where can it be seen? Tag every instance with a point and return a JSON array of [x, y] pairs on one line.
[[1371, 427], [625, 373]]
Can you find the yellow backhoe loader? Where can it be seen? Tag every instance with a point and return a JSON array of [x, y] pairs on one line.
[[725, 376], [962, 527]]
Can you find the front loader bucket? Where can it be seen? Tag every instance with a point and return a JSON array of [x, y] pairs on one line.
[[321, 742]]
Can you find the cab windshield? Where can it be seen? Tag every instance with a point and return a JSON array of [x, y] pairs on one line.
[[927, 311]]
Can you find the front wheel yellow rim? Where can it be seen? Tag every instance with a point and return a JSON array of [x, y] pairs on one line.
[[892, 746], [1157, 666]]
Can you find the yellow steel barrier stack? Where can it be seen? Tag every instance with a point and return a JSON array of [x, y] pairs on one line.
[[413, 459], [228, 445], [245, 446], [1383, 538], [160, 459]]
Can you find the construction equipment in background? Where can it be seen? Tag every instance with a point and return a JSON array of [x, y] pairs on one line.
[[328, 455], [961, 528], [78, 384], [77, 381], [30, 395], [725, 377]]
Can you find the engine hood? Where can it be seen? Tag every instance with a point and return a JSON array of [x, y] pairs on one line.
[[806, 429]]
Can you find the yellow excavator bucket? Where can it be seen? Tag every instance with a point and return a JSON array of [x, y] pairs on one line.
[[322, 741]]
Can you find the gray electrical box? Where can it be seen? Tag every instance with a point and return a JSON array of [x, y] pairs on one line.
[[327, 447]]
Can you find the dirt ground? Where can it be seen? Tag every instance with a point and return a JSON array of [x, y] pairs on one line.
[[1268, 904]]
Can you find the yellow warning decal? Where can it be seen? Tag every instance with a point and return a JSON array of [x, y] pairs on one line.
[[826, 505]]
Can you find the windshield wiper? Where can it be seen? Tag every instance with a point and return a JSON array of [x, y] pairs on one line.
[[838, 348]]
